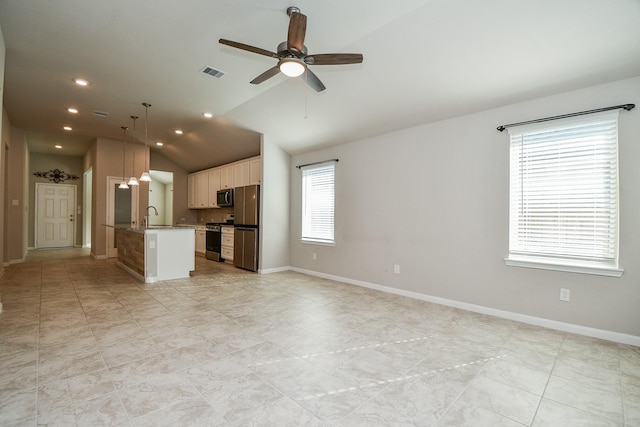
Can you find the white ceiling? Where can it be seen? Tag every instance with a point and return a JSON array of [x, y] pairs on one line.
[[424, 60]]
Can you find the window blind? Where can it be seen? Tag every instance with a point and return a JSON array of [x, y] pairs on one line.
[[318, 202], [564, 190]]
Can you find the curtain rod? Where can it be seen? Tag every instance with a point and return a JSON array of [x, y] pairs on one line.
[[627, 107], [317, 163]]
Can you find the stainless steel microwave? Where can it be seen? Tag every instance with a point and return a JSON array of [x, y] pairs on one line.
[[225, 197]]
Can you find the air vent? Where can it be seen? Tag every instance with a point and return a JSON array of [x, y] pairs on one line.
[[212, 72], [102, 114]]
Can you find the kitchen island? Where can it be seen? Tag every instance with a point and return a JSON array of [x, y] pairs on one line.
[[154, 254]]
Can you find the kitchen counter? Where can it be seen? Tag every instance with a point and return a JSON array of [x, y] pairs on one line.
[[157, 253]]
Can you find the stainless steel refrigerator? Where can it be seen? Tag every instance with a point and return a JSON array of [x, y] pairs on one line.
[[246, 216]]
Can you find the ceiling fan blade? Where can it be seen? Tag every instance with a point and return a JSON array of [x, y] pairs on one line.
[[312, 80], [334, 59], [266, 75], [297, 30], [248, 48]]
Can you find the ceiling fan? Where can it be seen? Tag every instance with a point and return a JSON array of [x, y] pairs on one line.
[[292, 56]]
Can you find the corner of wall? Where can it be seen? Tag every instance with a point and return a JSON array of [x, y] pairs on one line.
[[275, 200]]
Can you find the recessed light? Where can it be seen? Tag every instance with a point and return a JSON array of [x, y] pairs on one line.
[[178, 131], [81, 82], [207, 115], [58, 146], [72, 110], [159, 144], [67, 128]]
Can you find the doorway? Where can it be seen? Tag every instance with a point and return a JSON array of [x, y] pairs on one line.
[[55, 219], [161, 196], [122, 212], [88, 197]]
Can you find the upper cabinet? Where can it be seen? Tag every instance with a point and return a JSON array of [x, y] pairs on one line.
[[226, 177], [255, 171], [241, 174], [204, 185], [214, 186], [191, 191], [198, 190]]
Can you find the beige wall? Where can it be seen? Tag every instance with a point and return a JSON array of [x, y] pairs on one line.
[[68, 164], [275, 200], [434, 199], [105, 157], [4, 149], [16, 198], [4, 140]]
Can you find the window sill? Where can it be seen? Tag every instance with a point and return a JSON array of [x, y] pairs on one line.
[[558, 265], [318, 242]]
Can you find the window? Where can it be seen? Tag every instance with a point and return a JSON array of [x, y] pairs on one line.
[[564, 195], [318, 185]]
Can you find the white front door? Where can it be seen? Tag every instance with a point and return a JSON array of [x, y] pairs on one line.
[[55, 220]]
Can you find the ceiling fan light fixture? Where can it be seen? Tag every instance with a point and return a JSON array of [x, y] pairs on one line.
[[292, 67]]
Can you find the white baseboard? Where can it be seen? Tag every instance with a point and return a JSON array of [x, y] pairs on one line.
[[275, 270], [94, 256], [523, 318], [13, 261]]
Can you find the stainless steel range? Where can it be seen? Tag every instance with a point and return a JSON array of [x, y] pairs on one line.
[[213, 241]]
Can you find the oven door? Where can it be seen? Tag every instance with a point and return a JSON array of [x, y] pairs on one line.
[[213, 243]]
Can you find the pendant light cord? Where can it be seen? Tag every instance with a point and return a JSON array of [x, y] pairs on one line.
[[123, 184], [135, 138], [146, 133]]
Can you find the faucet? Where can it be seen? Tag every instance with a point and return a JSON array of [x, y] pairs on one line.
[[146, 217]]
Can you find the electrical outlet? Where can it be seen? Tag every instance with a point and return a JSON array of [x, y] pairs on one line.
[[565, 294], [396, 268], [313, 256]]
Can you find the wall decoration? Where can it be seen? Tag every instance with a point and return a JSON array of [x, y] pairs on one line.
[[57, 176]]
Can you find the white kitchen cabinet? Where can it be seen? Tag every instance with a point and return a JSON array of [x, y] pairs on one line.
[[255, 171], [247, 172], [214, 186], [241, 174], [227, 243], [226, 177], [203, 185], [201, 240], [198, 190], [191, 191], [202, 189]]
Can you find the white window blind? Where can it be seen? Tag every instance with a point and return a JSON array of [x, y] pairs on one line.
[[564, 191], [318, 202]]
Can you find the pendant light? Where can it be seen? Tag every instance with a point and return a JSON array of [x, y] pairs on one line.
[[145, 175], [133, 180], [123, 185]]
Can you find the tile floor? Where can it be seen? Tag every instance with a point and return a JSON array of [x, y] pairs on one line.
[[83, 343]]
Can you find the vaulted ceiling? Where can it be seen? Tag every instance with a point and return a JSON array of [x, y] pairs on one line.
[[424, 60]]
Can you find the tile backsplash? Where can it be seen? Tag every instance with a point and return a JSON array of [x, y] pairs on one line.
[[213, 215]]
